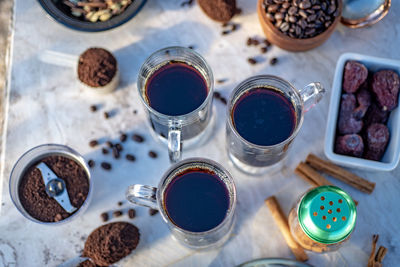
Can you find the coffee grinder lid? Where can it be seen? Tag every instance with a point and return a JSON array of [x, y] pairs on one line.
[[362, 13]]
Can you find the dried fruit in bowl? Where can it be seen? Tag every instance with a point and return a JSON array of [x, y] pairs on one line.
[[377, 138], [348, 122], [385, 85], [376, 114], [355, 74], [364, 101], [351, 145]]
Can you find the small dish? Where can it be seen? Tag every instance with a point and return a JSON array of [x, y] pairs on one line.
[[278, 38], [391, 157], [58, 11]]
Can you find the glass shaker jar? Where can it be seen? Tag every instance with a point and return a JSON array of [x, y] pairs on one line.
[[323, 219]]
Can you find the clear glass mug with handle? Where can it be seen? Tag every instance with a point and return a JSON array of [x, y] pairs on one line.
[[155, 198], [259, 159], [183, 130]]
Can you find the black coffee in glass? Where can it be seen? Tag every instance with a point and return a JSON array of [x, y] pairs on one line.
[[196, 200]]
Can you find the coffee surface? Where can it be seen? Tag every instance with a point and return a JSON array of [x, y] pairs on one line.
[[32, 191], [264, 116], [197, 200], [176, 89]]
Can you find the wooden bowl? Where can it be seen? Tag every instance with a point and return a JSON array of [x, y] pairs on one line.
[[280, 39]]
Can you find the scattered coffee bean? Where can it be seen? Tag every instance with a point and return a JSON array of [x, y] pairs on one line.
[[252, 61], [226, 32], [191, 47], [152, 154], [109, 144], [91, 163], [104, 216], [267, 43], [153, 212], [130, 157], [273, 61], [93, 108], [217, 95], [221, 81], [264, 50], [106, 115], [187, 3], [115, 153], [131, 213], [135, 112], [123, 137], [93, 143], [117, 213], [106, 165], [118, 147], [249, 41], [138, 138], [120, 203], [104, 151], [223, 100]]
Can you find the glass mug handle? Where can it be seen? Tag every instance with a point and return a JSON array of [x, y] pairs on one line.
[[142, 195], [311, 95], [175, 142]]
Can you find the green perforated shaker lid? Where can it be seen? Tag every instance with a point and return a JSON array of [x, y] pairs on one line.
[[327, 214]]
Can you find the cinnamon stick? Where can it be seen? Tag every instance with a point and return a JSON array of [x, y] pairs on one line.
[[312, 174], [341, 174], [283, 225], [376, 260]]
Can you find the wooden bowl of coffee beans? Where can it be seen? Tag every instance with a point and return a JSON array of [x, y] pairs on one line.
[[298, 25]]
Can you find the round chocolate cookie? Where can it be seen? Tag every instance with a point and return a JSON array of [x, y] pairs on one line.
[[219, 10], [111, 242], [96, 67], [32, 190]]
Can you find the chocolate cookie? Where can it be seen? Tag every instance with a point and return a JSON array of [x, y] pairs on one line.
[[219, 10], [96, 67], [32, 191], [111, 242]]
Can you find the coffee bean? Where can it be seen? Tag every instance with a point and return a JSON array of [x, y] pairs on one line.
[[137, 138], [255, 42], [106, 115], [297, 30], [252, 61], [153, 154], [131, 213], [104, 216], [106, 165], [324, 6], [93, 143], [327, 24], [91, 163], [278, 23], [118, 147], [302, 23], [272, 8], [153, 212], [273, 61], [223, 100], [109, 144], [331, 9], [305, 4], [310, 11], [225, 32], [221, 81], [120, 203], [303, 14], [217, 95], [130, 157], [123, 137], [115, 153], [268, 2], [310, 31], [284, 27], [264, 49], [270, 17], [316, 7], [279, 16], [249, 41], [104, 151], [286, 5], [312, 18], [266, 42], [292, 19], [117, 213], [93, 108], [292, 11], [135, 112]]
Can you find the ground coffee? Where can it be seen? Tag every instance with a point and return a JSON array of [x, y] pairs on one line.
[[111, 242], [96, 67], [219, 10], [32, 191]]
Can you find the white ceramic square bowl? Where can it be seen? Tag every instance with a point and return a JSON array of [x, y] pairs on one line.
[[392, 154]]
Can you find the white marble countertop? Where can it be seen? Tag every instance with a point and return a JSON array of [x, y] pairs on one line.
[[46, 105]]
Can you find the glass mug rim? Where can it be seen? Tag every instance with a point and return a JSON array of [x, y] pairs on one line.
[[46, 150], [210, 84], [159, 201], [266, 78]]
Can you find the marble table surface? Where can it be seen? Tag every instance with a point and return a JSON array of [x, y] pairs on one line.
[[47, 105]]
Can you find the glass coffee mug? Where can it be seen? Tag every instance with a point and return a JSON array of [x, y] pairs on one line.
[[176, 88], [265, 113], [197, 200]]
